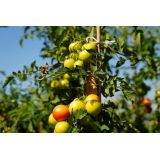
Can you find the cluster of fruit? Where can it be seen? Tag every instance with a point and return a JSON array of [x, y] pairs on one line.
[[79, 53], [60, 114], [63, 82]]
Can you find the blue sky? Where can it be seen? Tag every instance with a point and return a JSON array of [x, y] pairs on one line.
[[12, 56]]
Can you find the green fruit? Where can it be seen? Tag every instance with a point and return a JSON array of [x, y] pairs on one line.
[[71, 46], [158, 93], [84, 55], [62, 127], [51, 120], [69, 63], [66, 76], [64, 83], [75, 46], [62, 50], [73, 55], [78, 63], [78, 46], [76, 105], [54, 83], [93, 107], [139, 90]]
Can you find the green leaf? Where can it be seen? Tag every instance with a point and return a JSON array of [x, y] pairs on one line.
[[110, 91], [22, 76], [25, 36], [104, 127], [148, 60], [26, 29], [124, 85], [30, 127], [21, 42], [120, 62], [138, 39], [80, 114], [55, 100], [31, 34], [95, 125], [33, 64], [128, 94], [100, 73], [14, 73], [2, 72], [8, 79]]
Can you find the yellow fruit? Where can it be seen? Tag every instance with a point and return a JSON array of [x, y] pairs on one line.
[[84, 55], [78, 63], [92, 97], [71, 46], [89, 46], [93, 107], [62, 127], [69, 63], [75, 46], [76, 105]]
